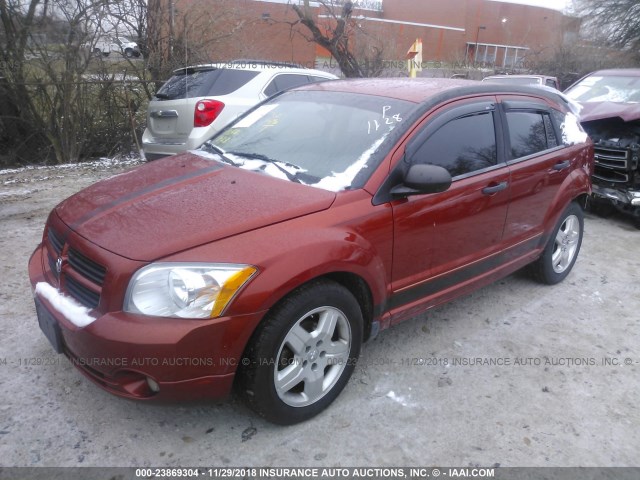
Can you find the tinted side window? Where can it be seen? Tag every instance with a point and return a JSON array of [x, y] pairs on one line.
[[527, 133], [530, 133], [285, 81], [551, 83], [463, 145], [229, 81]]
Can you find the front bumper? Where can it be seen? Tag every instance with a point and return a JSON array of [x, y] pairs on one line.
[[625, 197], [141, 357]]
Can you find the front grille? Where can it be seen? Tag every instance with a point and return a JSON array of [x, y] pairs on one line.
[[77, 268], [84, 295], [612, 158], [614, 164], [87, 267], [55, 240]]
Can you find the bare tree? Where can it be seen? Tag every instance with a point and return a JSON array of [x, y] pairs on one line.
[[56, 107], [615, 21], [337, 34], [171, 38]]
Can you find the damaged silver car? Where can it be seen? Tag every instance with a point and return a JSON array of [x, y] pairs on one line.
[[610, 114]]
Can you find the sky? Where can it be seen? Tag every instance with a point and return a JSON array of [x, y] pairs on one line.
[[555, 4]]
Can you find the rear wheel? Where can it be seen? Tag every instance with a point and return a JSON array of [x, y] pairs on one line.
[[302, 356], [562, 249]]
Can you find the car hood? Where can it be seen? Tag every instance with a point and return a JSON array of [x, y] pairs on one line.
[[181, 202], [600, 110]]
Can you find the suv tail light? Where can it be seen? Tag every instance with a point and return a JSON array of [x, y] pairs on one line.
[[206, 112]]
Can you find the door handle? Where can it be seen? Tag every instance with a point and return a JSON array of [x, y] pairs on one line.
[[562, 165], [495, 188]]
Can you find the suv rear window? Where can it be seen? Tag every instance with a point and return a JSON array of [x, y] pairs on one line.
[[191, 82]]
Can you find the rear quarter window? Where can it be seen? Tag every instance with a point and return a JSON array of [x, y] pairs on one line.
[[285, 81]]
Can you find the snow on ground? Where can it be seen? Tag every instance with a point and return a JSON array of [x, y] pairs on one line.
[[58, 171]]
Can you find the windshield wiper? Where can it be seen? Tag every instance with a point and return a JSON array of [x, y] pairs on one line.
[[293, 177], [210, 147]]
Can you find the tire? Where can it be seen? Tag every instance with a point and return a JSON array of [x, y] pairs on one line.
[[301, 357], [128, 53], [562, 249]]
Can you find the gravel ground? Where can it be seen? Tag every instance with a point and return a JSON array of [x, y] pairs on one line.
[[562, 389]]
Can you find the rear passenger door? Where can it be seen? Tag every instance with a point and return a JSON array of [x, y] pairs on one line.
[[537, 165]]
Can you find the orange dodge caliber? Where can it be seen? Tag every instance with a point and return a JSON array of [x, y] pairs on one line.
[[263, 260]]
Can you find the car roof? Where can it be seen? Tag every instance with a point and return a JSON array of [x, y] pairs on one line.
[[255, 66], [518, 76], [428, 90], [633, 72]]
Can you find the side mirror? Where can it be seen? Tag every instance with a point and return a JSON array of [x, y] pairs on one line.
[[423, 179]]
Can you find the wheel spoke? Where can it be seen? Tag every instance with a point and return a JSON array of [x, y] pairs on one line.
[[297, 339], [337, 351], [313, 385], [327, 324], [565, 259], [289, 377]]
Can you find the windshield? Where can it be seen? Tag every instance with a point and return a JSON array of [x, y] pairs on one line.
[[623, 89], [319, 138]]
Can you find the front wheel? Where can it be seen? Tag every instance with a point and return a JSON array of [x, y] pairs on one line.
[[302, 356], [562, 249]]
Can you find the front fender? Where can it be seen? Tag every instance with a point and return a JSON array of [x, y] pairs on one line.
[[352, 236]]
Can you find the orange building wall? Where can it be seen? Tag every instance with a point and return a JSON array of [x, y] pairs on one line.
[[268, 31]]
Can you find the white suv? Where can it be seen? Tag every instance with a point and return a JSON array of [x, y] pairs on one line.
[[198, 101], [107, 45]]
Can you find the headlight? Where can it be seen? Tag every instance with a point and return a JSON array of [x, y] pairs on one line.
[[185, 290]]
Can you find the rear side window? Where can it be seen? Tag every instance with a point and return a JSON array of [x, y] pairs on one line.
[[285, 81], [463, 145], [201, 83], [530, 133]]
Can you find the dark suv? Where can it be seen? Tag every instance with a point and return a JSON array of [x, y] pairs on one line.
[[317, 219], [610, 101]]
